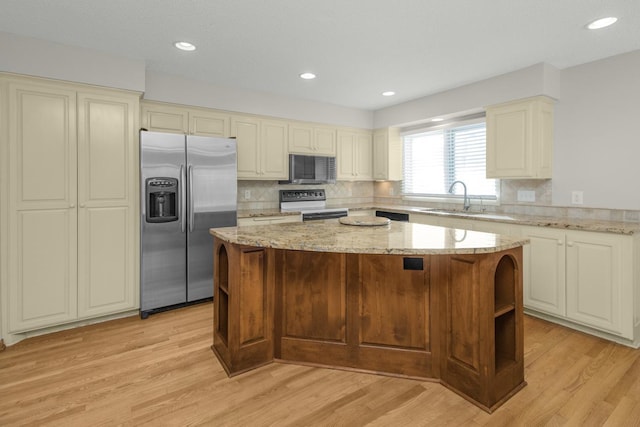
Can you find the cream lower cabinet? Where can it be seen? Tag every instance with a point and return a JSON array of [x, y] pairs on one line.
[[600, 281], [579, 277], [355, 156], [584, 277], [71, 204], [544, 263], [262, 148]]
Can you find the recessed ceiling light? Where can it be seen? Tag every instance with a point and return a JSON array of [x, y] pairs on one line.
[[185, 46], [388, 93], [601, 23], [307, 76], [437, 119]]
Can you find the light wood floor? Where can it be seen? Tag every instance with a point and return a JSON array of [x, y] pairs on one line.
[[161, 371]]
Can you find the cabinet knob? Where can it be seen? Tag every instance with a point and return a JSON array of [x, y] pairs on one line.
[[72, 205], [560, 242], [82, 205], [570, 244]]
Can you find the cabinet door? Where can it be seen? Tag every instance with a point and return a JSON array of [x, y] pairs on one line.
[[301, 139], [247, 133], [273, 150], [107, 197], [208, 124], [41, 205], [345, 159], [380, 158], [363, 155], [387, 155], [325, 141], [595, 272], [509, 152], [164, 118], [544, 270], [520, 139]]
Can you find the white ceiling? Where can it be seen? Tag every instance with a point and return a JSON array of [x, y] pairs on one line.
[[358, 48]]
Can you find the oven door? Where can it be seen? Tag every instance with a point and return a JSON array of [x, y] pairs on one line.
[[311, 216]]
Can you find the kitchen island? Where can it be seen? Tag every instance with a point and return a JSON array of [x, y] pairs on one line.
[[402, 299]]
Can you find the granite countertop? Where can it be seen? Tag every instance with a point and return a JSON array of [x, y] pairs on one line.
[[257, 213], [568, 223], [400, 238]]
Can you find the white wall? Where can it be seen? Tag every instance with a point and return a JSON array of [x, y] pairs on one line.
[[540, 79], [596, 119], [34, 57], [168, 88], [597, 137]]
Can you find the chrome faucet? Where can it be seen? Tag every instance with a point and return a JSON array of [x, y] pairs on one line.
[[465, 201]]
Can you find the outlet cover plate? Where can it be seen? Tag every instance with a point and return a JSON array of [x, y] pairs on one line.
[[526, 196], [577, 197]]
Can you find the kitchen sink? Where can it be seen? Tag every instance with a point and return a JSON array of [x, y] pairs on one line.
[[474, 214]]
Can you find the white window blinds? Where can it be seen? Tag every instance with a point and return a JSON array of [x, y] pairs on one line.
[[433, 160]]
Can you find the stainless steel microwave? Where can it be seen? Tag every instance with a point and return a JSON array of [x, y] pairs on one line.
[[305, 169]]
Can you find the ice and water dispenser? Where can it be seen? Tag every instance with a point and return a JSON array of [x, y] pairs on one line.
[[162, 199]]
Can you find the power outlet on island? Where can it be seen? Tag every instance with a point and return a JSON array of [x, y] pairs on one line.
[[247, 194], [577, 197]]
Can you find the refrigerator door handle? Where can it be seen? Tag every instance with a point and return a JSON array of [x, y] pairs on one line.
[[183, 201], [192, 215]]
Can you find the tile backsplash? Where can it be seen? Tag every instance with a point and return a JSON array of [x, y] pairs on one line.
[[389, 193], [264, 195]]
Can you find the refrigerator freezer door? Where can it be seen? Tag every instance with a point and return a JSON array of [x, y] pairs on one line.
[[163, 245], [212, 200]]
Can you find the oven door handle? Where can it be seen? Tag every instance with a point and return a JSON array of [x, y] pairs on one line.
[[310, 216]]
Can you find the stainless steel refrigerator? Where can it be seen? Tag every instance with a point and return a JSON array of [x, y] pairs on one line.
[[188, 185]]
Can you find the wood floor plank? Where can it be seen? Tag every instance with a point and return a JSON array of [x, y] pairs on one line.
[[161, 372]]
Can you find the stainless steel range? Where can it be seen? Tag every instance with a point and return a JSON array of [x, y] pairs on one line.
[[312, 204]]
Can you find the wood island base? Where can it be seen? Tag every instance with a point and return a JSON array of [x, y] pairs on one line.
[[452, 318]]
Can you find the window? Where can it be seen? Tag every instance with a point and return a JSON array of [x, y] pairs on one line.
[[434, 159]]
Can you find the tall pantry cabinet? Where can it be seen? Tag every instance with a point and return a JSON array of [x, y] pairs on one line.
[[69, 202]]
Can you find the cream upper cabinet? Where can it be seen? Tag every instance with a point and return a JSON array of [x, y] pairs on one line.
[[205, 123], [262, 148], [315, 140], [355, 156], [387, 155], [161, 117], [107, 203], [71, 202], [520, 139]]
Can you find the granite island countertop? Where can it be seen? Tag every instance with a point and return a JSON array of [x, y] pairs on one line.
[[401, 238]]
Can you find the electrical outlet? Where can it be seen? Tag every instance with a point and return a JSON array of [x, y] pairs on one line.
[[577, 197], [391, 191], [247, 194], [526, 196]]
